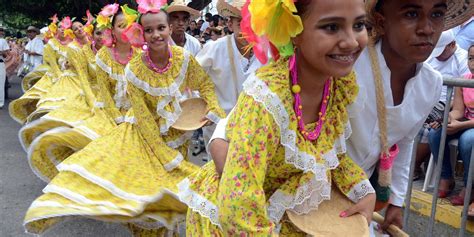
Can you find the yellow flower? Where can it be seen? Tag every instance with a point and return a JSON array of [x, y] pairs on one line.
[[130, 14], [103, 21], [69, 33], [89, 29], [276, 20], [53, 28]]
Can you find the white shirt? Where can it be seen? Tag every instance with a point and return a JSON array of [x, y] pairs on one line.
[[192, 44], [204, 26], [215, 59], [454, 67], [403, 121], [36, 46], [3, 47]]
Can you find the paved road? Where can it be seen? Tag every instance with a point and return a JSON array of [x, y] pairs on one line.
[[19, 187]]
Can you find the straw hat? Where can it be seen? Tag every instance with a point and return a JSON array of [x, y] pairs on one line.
[[459, 11], [325, 221], [180, 6], [226, 9], [193, 110]]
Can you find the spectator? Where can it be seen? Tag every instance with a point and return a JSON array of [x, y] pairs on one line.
[[192, 29], [34, 48], [216, 33], [461, 127], [465, 34], [199, 25], [4, 49], [180, 15], [206, 24], [451, 61]]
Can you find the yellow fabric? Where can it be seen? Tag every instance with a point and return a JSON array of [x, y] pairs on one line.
[[130, 174], [22, 107], [81, 121], [256, 168], [34, 76]]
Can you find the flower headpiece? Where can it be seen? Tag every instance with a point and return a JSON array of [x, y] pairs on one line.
[[66, 25], [104, 21], [106, 16], [134, 32], [53, 27], [89, 27], [269, 25]]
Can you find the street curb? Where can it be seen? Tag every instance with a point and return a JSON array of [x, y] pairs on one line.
[[445, 211]]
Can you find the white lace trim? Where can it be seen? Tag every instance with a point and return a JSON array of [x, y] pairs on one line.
[[174, 163], [261, 93], [120, 97], [180, 140], [307, 198], [213, 117], [197, 202], [360, 190], [125, 119], [99, 105], [310, 195], [170, 94]]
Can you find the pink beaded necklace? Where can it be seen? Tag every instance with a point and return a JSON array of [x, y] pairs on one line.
[[154, 66], [117, 57], [296, 89]]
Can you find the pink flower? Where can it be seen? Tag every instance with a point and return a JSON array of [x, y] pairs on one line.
[[66, 23], [145, 6], [54, 18], [109, 10], [90, 18], [134, 35], [237, 184], [107, 38]]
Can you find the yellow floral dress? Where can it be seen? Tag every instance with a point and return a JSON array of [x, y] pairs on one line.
[[131, 174], [83, 121], [34, 76], [54, 57], [270, 166]]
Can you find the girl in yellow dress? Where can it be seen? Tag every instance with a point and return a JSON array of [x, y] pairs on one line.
[[67, 86], [101, 114], [287, 132], [54, 56], [52, 138], [131, 174]]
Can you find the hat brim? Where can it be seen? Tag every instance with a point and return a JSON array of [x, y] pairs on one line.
[[193, 110], [182, 8], [436, 52], [329, 223], [226, 10], [459, 11]]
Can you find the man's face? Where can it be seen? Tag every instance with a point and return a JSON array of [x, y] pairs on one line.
[[31, 34], [179, 21], [2, 33]]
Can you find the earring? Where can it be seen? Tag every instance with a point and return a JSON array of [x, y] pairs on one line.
[[145, 47]]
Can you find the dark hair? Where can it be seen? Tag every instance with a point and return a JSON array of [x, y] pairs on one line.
[[166, 13], [119, 12], [302, 6]]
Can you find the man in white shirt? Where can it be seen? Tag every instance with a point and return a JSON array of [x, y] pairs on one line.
[[34, 48], [180, 15], [4, 48], [227, 62]]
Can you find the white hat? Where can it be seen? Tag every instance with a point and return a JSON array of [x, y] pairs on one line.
[[446, 38]]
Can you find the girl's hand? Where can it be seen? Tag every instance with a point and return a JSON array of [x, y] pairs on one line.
[[365, 207], [454, 127]]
